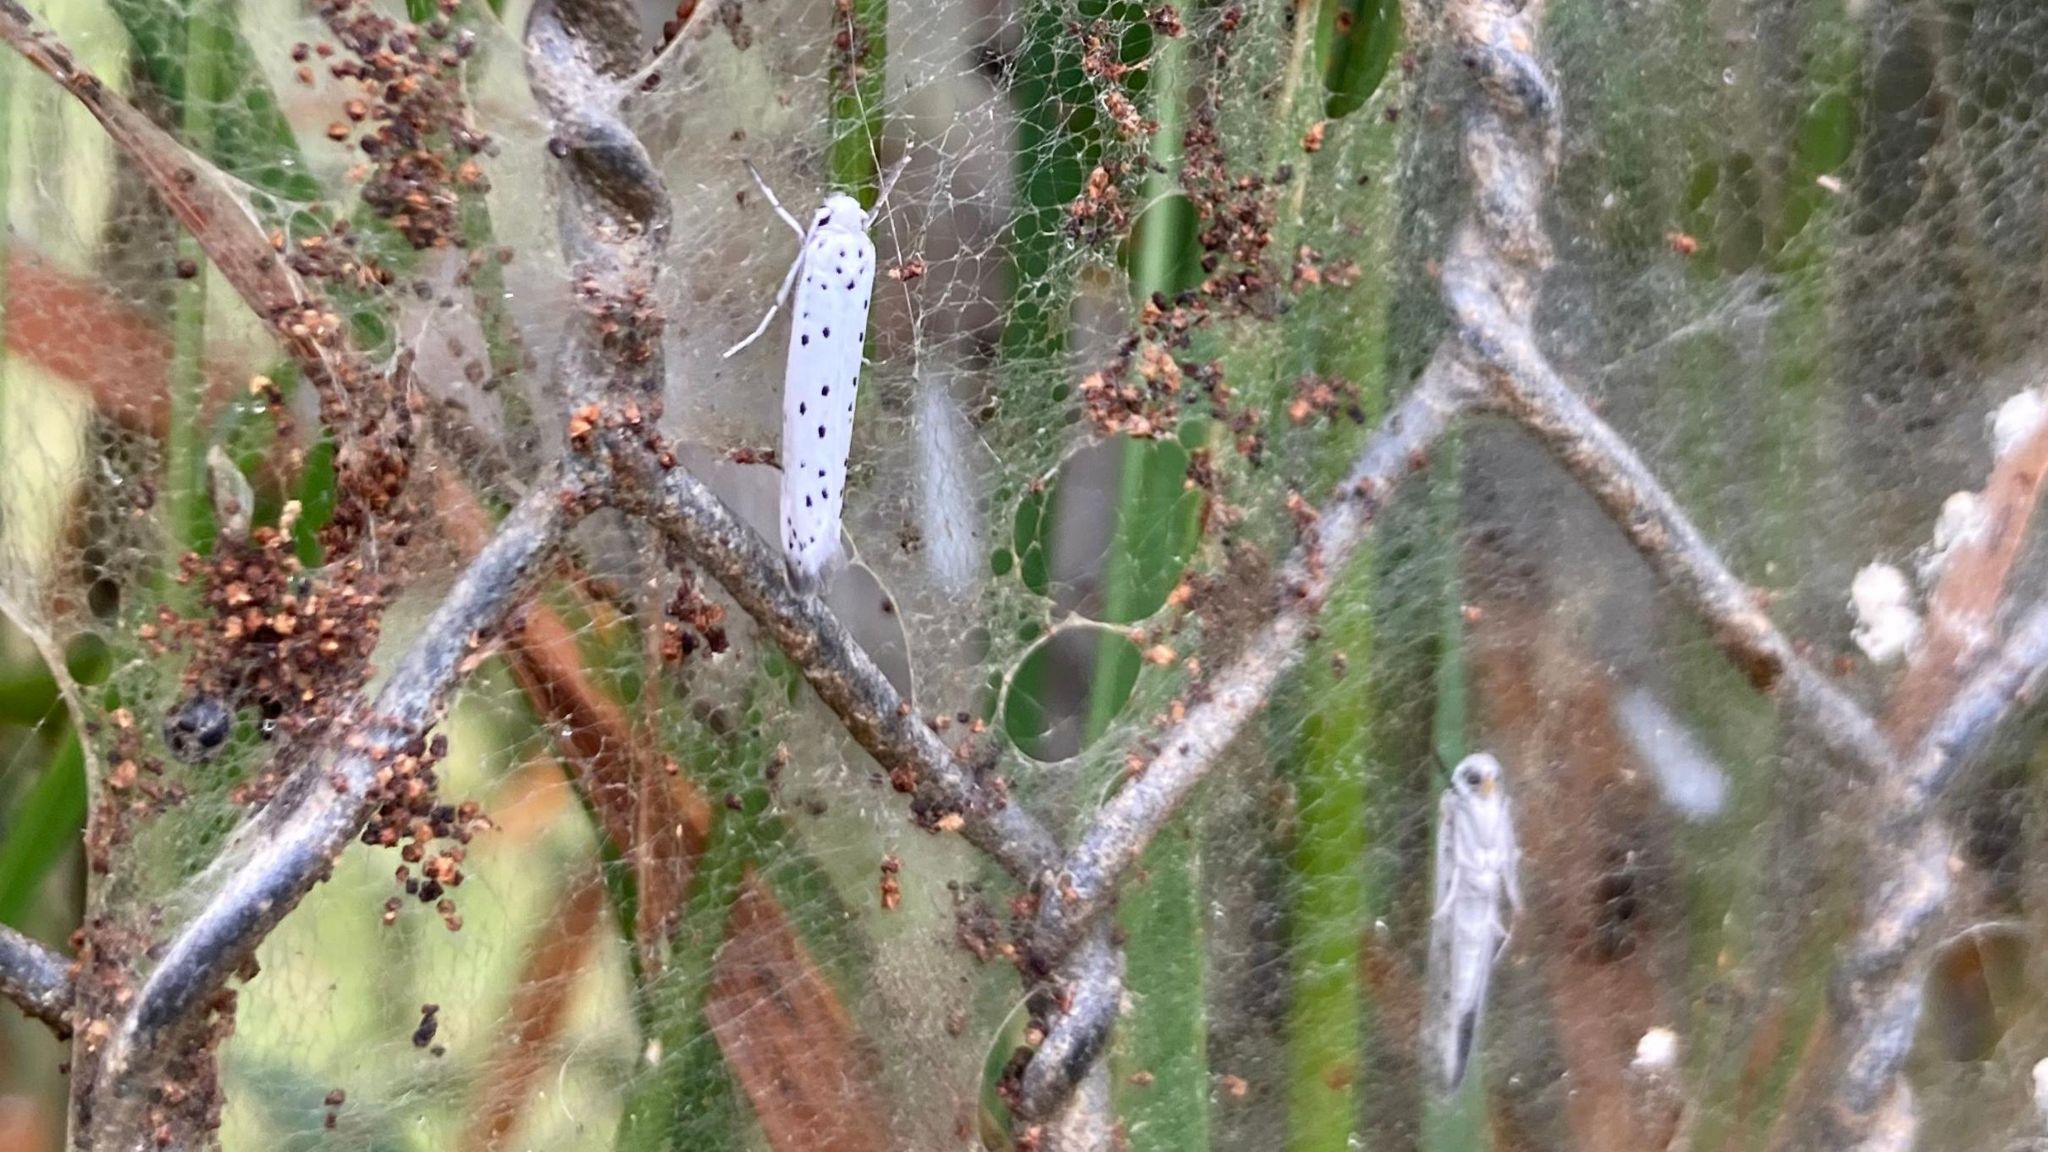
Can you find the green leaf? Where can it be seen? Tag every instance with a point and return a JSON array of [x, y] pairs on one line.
[[246, 133], [28, 693], [1162, 1059], [316, 502], [1362, 35], [43, 828], [1039, 713]]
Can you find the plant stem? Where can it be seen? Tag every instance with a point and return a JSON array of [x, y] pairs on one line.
[[859, 77], [1458, 1123], [1329, 905], [189, 523], [1166, 1038], [1051, 159], [1340, 787]]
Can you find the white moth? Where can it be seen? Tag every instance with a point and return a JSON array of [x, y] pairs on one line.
[[827, 335], [1476, 861]]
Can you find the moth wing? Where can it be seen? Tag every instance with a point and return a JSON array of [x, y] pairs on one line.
[[1474, 936], [1511, 870], [1468, 1013], [1438, 1032], [1443, 1005], [1446, 831], [828, 331]]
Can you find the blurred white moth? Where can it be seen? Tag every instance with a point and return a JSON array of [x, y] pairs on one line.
[[828, 334], [1476, 860], [1688, 778]]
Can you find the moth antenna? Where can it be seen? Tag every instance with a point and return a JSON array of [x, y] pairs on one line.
[[889, 179], [773, 202], [781, 296]]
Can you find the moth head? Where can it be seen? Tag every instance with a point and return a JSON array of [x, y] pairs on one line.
[[1477, 775], [841, 213]]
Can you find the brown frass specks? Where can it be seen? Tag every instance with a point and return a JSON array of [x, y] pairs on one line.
[[419, 138], [431, 835]]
